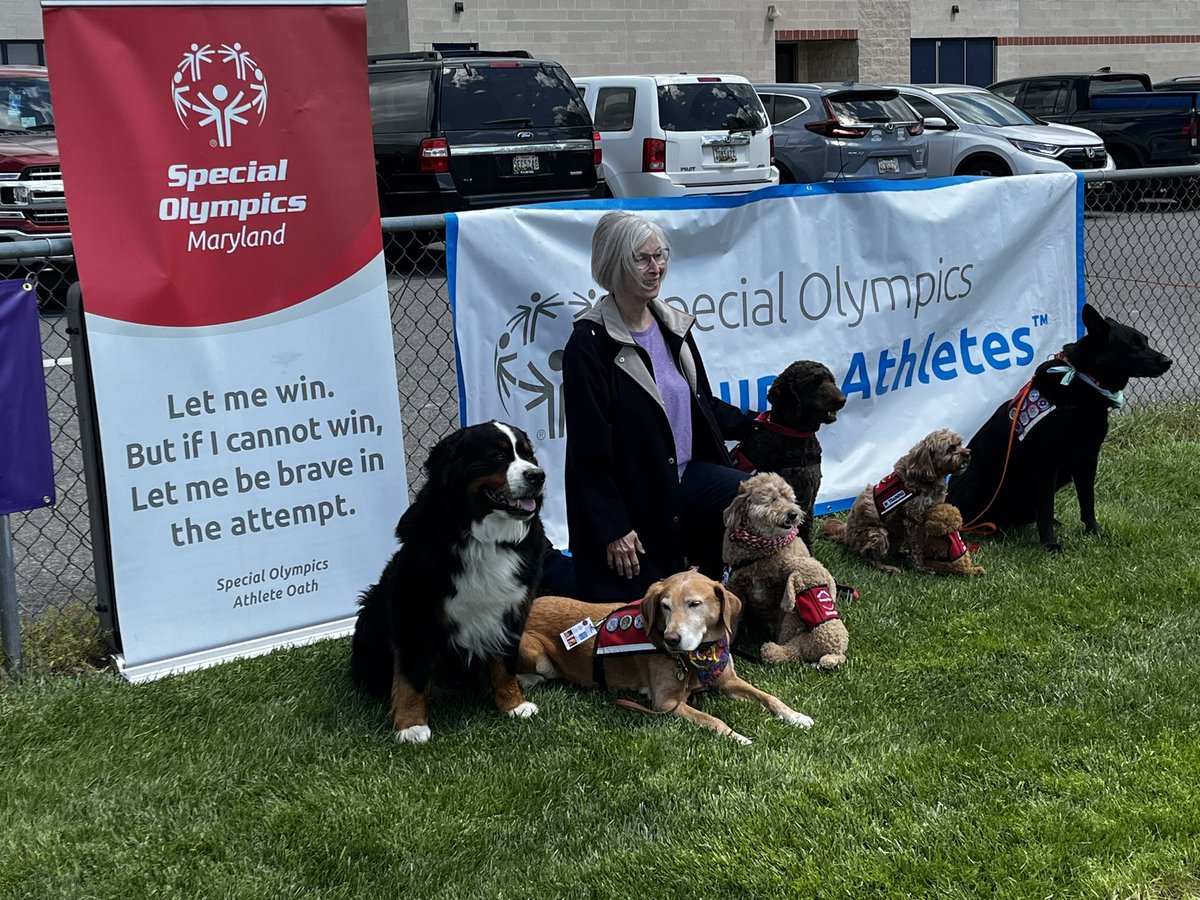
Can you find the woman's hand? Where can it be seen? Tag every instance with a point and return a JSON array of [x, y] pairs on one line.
[[623, 555]]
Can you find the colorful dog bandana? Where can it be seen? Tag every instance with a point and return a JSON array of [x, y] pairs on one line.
[[815, 605], [709, 661], [890, 494], [758, 542]]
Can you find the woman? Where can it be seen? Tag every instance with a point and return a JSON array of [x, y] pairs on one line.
[[647, 472]]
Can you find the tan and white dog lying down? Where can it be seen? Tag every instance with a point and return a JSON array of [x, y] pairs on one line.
[[687, 621]]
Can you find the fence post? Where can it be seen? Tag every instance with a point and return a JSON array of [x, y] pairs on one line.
[[10, 620]]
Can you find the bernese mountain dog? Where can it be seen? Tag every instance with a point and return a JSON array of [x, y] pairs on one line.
[[453, 599]]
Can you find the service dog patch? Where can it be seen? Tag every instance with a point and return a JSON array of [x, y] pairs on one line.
[[891, 494], [815, 606], [624, 631], [1033, 409]]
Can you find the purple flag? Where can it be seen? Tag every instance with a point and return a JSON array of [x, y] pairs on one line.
[[26, 464]]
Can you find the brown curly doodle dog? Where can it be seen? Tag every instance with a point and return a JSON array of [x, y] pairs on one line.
[[945, 550], [891, 515], [780, 583]]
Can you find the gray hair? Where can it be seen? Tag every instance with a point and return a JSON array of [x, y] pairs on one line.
[[617, 236]]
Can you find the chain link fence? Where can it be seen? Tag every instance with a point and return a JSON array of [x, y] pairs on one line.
[[1142, 252]]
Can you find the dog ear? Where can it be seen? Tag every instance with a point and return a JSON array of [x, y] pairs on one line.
[[733, 512], [731, 607], [650, 609], [1093, 321]]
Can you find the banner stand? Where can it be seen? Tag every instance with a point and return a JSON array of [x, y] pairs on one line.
[[10, 620], [93, 471]]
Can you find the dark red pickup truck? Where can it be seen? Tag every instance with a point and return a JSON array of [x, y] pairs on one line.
[[1139, 126], [32, 201]]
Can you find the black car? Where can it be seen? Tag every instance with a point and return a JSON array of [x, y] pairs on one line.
[[477, 129]]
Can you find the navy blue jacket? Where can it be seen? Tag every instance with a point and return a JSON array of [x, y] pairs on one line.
[[621, 473]]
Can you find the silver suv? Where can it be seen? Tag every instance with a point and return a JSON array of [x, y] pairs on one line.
[[677, 135], [843, 132]]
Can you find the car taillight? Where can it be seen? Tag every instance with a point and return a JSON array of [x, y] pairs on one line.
[[1192, 130], [917, 127], [772, 149], [703, 79], [654, 155], [834, 128], [597, 152], [435, 155]]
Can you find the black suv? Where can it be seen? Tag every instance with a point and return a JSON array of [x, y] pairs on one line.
[[476, 129]]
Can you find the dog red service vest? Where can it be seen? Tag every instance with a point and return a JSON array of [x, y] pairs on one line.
[[955, 546], [816, 606], [891, 494], [624, 631]]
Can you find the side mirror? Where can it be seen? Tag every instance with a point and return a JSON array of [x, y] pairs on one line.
[[937, 123]]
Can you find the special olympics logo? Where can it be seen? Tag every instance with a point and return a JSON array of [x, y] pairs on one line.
[[526, 374], [219, 91]]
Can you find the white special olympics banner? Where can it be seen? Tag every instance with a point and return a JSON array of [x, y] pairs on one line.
[[931, 301], [226, 226]]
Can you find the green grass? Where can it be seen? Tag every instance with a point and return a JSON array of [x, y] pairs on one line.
[[1032, 733]]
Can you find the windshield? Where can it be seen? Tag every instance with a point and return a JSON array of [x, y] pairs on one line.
[[710, 106], [25, 104], [980, 108]]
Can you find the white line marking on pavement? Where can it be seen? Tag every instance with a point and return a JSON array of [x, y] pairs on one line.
[[61, 361]]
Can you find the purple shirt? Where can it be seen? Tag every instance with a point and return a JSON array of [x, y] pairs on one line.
[[675, 391]]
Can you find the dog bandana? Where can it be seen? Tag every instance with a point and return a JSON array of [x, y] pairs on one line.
[[891, 494], [624, 631], [1033, 409], [709, 661], [1069, 373], [758, 542], [955, 545], [816, 606], [742, 462]]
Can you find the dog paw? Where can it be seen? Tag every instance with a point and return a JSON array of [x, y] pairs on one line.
[[740, 738], [1093, 528], [1053, 548], [524, 710], [799, 719], [413, 734]]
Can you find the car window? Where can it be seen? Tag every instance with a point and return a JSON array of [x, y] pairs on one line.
[[1045, 98], [614, 108], [787, 107], [25, 104], [721, 105], [1113, 85], [504, 95], [864, 108], [979, 108], [924, 107], [1007, 91], [400, 100]]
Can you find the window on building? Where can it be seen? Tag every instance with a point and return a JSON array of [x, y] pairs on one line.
[[22, 53]]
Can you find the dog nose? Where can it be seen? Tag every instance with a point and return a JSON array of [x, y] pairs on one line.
[[671, 640], [791, 517], [535, 477]]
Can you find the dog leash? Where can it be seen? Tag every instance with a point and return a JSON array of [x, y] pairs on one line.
[[976, 526]]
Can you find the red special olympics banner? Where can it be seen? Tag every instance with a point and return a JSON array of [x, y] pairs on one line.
[[220, 175]]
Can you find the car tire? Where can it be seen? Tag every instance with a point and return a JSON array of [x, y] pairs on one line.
[[785, 174], [987, 166]]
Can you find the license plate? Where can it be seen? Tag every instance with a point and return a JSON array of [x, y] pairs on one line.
[[525, 165], [889, 166], [724, 154]]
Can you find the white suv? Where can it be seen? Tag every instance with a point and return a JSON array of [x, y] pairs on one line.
[[971, 131], [676, 135]]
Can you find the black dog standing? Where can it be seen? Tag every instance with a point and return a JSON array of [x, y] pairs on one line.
[[1051, 432], [455, 596]]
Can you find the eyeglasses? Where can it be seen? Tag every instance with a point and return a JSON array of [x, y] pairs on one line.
[[660, 257]]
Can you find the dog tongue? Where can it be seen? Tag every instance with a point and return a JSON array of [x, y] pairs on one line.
[[528, 504]]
